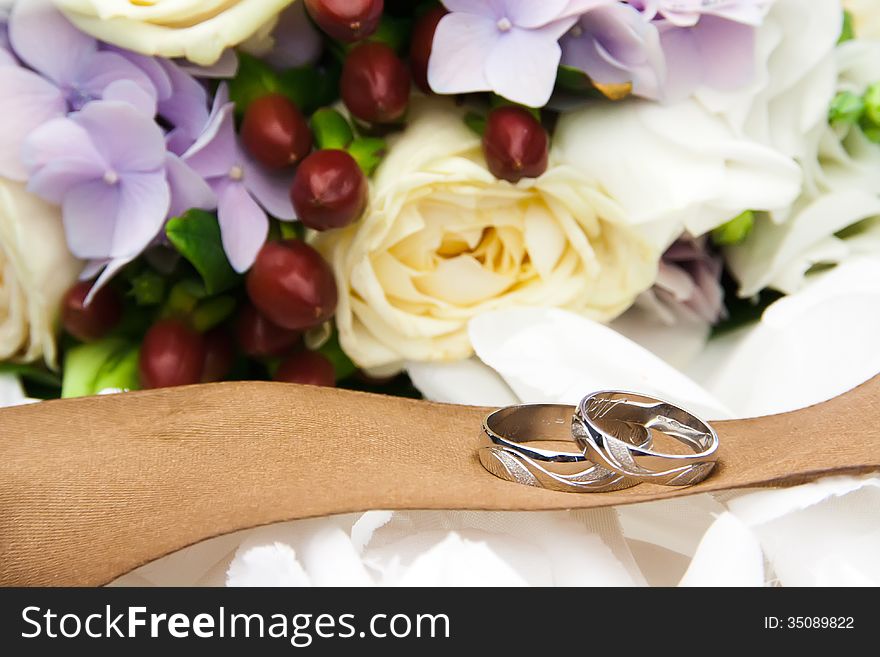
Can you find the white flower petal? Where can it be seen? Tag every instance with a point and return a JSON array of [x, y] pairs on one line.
[[462, 382], [327, 553], [772, 249], [674, 165], [678, 342], [274, 564], [200, 30], [788, 358], [728, 555], [11, 392], [820, 534], [549, 355]]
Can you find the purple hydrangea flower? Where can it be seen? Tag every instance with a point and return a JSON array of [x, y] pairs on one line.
[[244, 189], [616, 44], [689, 278], [182, 99], [506, 46], [296, 41], [667, 48], [6, 56], [687, 13], [68, 71], [716, 52], [106, 167]]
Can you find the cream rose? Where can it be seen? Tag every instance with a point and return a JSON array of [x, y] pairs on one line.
[[443, 241], [199, 30], [866, 16], [35, 271]]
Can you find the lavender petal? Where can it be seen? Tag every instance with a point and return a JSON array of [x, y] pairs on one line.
[[243, 225], [45, 40], [27, 102]]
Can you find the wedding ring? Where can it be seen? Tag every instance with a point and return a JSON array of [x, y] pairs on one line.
[[507, 457], [594, 429]]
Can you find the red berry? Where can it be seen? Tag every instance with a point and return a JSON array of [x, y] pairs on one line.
[[515, 144], [375, 83], [94, 321], [172, 354], [421, 45], [329, 190], [292, 285], [346, 20], [275, 132], [259, 338], [219, 355], [307, 368]]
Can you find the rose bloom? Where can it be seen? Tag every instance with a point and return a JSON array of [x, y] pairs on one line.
[[443, 240], [199, 30], [36, 269], [866, 17]]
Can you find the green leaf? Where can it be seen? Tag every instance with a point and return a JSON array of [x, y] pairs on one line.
[[574, 81], [34, 373], [331, 129], [368, 152], [148, 288], [107, 363], [254, 80], [742, 312], [310, 87], [848, 31], [121, 371], [197, 236], [847, 108], [872, 103], [342, 364], [476, 122], [212, 312], [393, 31], [291, 230], [735, 230], [500, 101]]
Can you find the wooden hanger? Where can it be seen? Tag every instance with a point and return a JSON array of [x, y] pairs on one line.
[[93, 488]]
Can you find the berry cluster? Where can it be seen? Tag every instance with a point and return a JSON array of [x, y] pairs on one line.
[[190, 333]]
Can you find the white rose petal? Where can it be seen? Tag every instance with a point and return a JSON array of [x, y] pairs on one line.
[[779, 255], [199, 30], [675, 167], [866, 17], [788, 99], [841, 189]]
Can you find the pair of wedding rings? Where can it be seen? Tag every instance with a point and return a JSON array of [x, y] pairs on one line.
[[613, 431]]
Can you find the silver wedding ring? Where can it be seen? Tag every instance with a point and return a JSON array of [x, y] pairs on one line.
[[614, 434], [594, 425], [510, 456]]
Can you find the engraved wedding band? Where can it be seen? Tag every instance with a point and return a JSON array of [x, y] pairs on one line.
[[594, 429], [613, 430], [507, 457]]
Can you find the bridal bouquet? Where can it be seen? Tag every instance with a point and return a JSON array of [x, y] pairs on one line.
[[339, 192]]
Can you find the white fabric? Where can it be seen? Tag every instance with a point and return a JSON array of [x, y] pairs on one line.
[[808, 347]]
